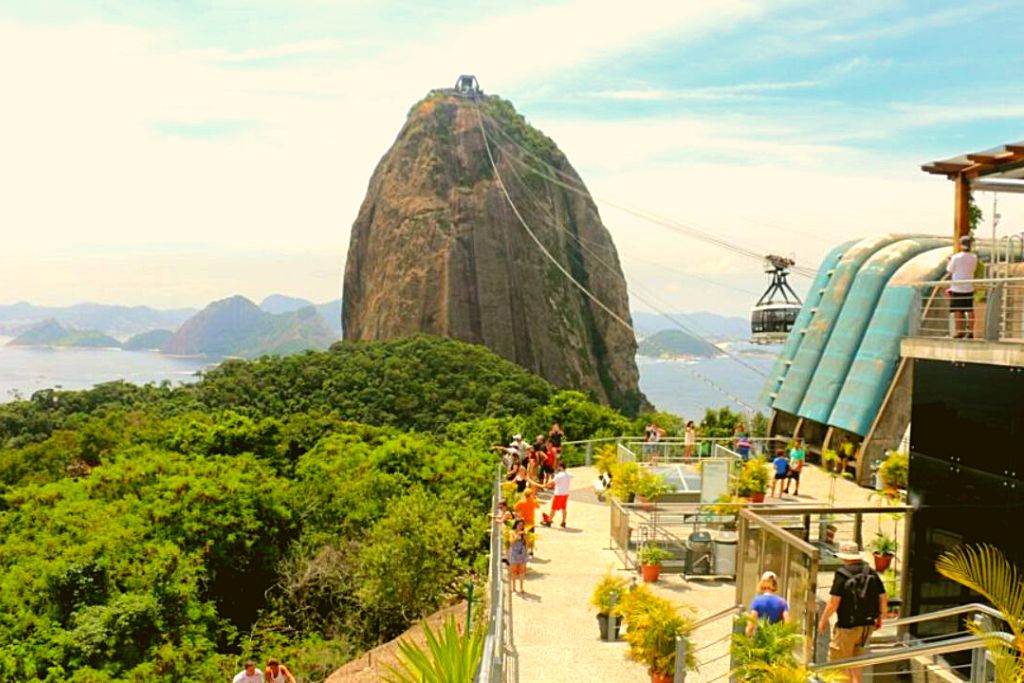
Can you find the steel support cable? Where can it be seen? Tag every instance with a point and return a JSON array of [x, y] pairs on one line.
[[567, 274], [574, 185], [632, 290]]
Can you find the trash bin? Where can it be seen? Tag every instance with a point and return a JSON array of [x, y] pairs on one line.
[[725, 553], [698, 553]]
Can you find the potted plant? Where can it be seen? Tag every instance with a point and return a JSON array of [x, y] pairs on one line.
[[625, 477], [884, 548], [770, 655], [753, 481], [894, 469], [650, 487], [654, 624], [651, 557], [601, 600]]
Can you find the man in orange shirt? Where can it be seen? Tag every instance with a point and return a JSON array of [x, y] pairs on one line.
[[527, 510]]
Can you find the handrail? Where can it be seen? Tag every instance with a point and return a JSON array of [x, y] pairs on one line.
[[920, 650], [948, 612], [728, 611], [492, 661], [977, 281]]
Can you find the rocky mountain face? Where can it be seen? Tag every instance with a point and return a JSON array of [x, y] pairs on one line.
[[237, 327], [437, 249]]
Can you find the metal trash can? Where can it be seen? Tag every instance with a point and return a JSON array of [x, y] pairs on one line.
[[725, 553], [698, 553]]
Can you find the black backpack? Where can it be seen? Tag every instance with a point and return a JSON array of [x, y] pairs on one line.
[[860, 598]]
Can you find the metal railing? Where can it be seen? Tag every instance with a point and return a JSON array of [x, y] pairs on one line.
[[911, 649], [996, 310], [497, 664]]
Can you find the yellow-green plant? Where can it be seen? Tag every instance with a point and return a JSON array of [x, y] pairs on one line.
[[654, 624], [894, 470], [601, 598], [770, 655], [985, 569], [625, 477], [605, 458], [449, 656]]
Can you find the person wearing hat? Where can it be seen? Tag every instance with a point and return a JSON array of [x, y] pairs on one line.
[[858, 600], [962, 266], [767, 605], [519, 445]]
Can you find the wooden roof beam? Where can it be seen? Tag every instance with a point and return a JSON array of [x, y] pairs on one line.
[[944, 167], [1016, 149], [992, 158]]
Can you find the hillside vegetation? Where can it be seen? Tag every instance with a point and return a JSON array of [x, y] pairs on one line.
[[306, 507]]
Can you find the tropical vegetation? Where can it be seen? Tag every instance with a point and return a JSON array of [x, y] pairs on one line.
[[307, 507], [448, 656], [986, 570]]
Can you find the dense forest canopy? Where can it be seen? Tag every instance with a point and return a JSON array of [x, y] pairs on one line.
[[306, 507]]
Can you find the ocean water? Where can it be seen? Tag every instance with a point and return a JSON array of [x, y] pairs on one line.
[[25, 370], [673, 385], [688, 387]]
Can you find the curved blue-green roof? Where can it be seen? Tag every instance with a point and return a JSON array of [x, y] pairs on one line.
[[874, 367], [811, 301], [852, 321], [819, 329]]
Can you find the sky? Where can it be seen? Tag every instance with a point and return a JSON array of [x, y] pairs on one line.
[[174, 153]]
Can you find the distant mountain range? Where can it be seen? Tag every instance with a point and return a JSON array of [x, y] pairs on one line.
[[669, 343], [238, 327], [117, 321], [231, 327], [710, 326]]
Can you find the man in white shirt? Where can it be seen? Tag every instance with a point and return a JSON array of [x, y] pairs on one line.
[[962, 266], [250, 674], [561, 483]]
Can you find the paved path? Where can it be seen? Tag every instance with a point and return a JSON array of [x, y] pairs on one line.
[[554, 627]]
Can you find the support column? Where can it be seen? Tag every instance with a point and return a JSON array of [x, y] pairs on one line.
[[961, 209]]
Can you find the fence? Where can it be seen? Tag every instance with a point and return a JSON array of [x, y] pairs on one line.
[[498, 663], [997, 308]]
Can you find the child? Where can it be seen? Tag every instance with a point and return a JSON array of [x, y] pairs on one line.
[[781, 464], [518, 555]]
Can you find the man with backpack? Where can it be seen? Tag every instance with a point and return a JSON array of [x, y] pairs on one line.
[[859, 601]]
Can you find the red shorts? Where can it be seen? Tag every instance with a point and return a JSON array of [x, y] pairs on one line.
[[559, 502]]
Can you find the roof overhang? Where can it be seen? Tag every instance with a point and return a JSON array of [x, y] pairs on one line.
[[1000, 169]]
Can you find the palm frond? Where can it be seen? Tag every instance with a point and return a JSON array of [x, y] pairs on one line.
[[986, 570]]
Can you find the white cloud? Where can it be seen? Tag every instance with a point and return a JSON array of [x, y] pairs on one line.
[[708, 93]]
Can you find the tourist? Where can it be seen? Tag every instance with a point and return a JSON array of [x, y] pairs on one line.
[[513, 468], [519, 445], [560, 501], [249, 674], [278, 673], [797, 459], [689, 440], [518, 555], [527, 511], [540, 445], [533, 465], [504, 515], [521, 478], [962, 266], [555, 436], [781, 465], [743, 446], [858, 599], [767, 606]]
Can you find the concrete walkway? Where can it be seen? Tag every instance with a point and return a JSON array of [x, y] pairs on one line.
[[555, 629]]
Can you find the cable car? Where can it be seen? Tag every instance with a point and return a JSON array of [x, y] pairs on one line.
[[775, 312]]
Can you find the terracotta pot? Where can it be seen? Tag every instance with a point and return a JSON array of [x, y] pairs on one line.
[[660, 678], [882, 562], [602, 625], [650, 572], [757, 497]]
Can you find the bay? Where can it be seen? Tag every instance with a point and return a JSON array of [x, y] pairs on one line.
[[683, 387], [25, 370]]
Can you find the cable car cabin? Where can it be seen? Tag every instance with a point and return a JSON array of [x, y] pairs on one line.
[[771, 323], [775, 312]]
